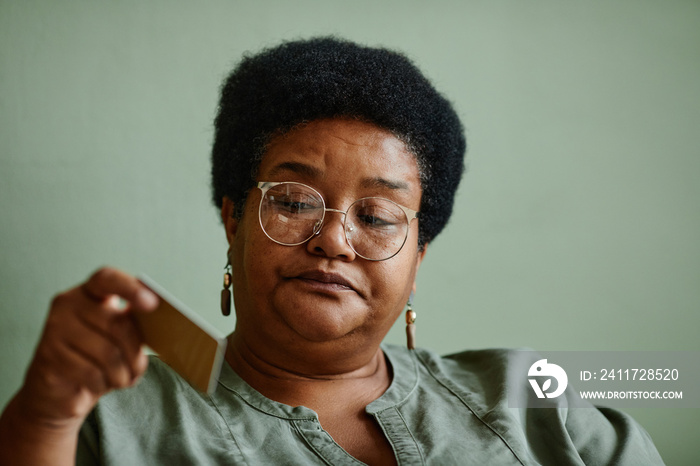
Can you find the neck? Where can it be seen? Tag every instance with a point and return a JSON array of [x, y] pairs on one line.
[[313, 382]]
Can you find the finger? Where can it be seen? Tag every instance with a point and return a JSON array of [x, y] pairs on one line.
[[108, 281], [130, 341], [104, 353], [122, 332], [103, 350], [140, 366], [62, 369], [99, 315], [61, 385], [94, 325], [84, 372]]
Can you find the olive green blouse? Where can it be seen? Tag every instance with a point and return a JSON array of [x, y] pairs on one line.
[[438, 411]]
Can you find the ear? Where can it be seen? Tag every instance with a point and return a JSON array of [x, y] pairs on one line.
[[227, 218], [419, 260]]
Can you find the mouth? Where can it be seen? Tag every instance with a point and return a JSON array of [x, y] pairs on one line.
[[325, 281]]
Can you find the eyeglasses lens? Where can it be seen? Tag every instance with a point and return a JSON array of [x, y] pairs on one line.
[[291, 213], [376, 228]]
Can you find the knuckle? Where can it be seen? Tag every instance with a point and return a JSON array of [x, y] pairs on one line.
[[60, 300], [44, 353], [122, 379], [60, 324], [49, 378], [103, 275], [112, 356], [117, 376], [73, 410], [140, 364], [94, 378], [57, 315]]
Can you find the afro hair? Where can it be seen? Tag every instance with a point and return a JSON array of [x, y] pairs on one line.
[[271, 92]]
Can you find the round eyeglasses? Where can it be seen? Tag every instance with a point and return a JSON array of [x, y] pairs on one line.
[[292, 213]]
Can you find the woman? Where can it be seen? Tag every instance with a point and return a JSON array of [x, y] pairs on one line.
[[334, 166]]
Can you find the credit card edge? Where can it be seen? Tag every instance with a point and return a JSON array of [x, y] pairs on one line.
[[195, 318], [217, 365]]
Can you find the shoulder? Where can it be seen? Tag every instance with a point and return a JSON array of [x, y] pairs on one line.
[[494, 385], [487, 376], [483, 363]]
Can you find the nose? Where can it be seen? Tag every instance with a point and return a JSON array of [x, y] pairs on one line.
[[329, 237]]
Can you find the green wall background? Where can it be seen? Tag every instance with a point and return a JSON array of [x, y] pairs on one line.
[[576, 227]]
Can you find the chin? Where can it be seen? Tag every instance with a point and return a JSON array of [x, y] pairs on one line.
[[322, 322]]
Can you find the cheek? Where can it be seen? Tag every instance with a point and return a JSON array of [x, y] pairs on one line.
[[257, 261], [392, 284], [251, 258]]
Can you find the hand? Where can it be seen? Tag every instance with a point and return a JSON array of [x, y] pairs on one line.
[[90, 345]]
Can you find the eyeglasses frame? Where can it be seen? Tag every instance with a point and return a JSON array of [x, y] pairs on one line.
[[265, 186]]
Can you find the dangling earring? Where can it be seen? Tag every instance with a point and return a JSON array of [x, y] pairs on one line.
[[226, 292], [410, 324]]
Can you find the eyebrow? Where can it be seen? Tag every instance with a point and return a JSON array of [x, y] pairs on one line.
[[379, 182], [296, 167], [313, 172]]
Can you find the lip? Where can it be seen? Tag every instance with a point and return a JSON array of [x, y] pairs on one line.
[[326, 280]]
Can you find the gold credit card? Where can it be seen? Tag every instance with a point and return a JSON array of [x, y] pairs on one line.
[[182, 339]]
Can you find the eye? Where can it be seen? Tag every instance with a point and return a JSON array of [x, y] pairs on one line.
[[295, 204], [376, 216], [373, 220]]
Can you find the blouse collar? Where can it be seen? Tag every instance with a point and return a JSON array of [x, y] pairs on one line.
[[402, 363]]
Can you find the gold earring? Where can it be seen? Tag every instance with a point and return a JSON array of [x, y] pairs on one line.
[[410, 324], [226, 292]]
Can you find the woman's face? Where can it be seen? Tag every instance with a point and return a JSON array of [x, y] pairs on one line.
[[321, 296]]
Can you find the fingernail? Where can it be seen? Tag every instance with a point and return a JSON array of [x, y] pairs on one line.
[[117, 302], [147, 298]]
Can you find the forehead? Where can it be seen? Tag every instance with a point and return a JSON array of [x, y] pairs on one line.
[[358, 152]]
